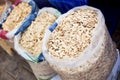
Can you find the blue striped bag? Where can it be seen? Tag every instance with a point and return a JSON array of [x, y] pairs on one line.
[[26, 22]]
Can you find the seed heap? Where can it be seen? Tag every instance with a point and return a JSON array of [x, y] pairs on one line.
[[16, 17], [31, 39], [73, 34]]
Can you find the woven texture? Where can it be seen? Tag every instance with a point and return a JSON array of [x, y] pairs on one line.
[[42, 70]]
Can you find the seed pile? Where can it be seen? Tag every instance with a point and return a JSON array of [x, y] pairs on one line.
[[73, 34], [31, 39], [16, 17]]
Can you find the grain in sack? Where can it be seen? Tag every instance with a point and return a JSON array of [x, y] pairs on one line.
[[80, 47], [15, 17], [29, 42]]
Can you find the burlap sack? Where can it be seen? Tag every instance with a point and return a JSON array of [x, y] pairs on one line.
[[94, 63]]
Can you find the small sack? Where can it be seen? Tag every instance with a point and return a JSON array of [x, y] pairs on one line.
[[79, 46], [30, 33], [28, 42], [9, 28]]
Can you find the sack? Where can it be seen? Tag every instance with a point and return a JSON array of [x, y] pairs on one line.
[[112, 76], [42, 70], [116, 69], [8, 33], [93, 62], [31, 34]]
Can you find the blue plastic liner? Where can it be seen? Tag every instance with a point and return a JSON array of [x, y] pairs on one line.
[[41, 58], [65, 5], [29, 19], [53, 26]]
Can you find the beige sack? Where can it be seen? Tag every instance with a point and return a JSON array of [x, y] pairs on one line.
[[42, 70]]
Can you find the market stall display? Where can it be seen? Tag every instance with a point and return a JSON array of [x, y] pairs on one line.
[[73, 46]]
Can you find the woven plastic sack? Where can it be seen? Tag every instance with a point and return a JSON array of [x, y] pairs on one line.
[[94, 63], [114, 75], [22, 51], [41, 70], [26, 22]]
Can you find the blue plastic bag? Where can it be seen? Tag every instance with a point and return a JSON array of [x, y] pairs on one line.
[[43, 3], [65, 5]]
